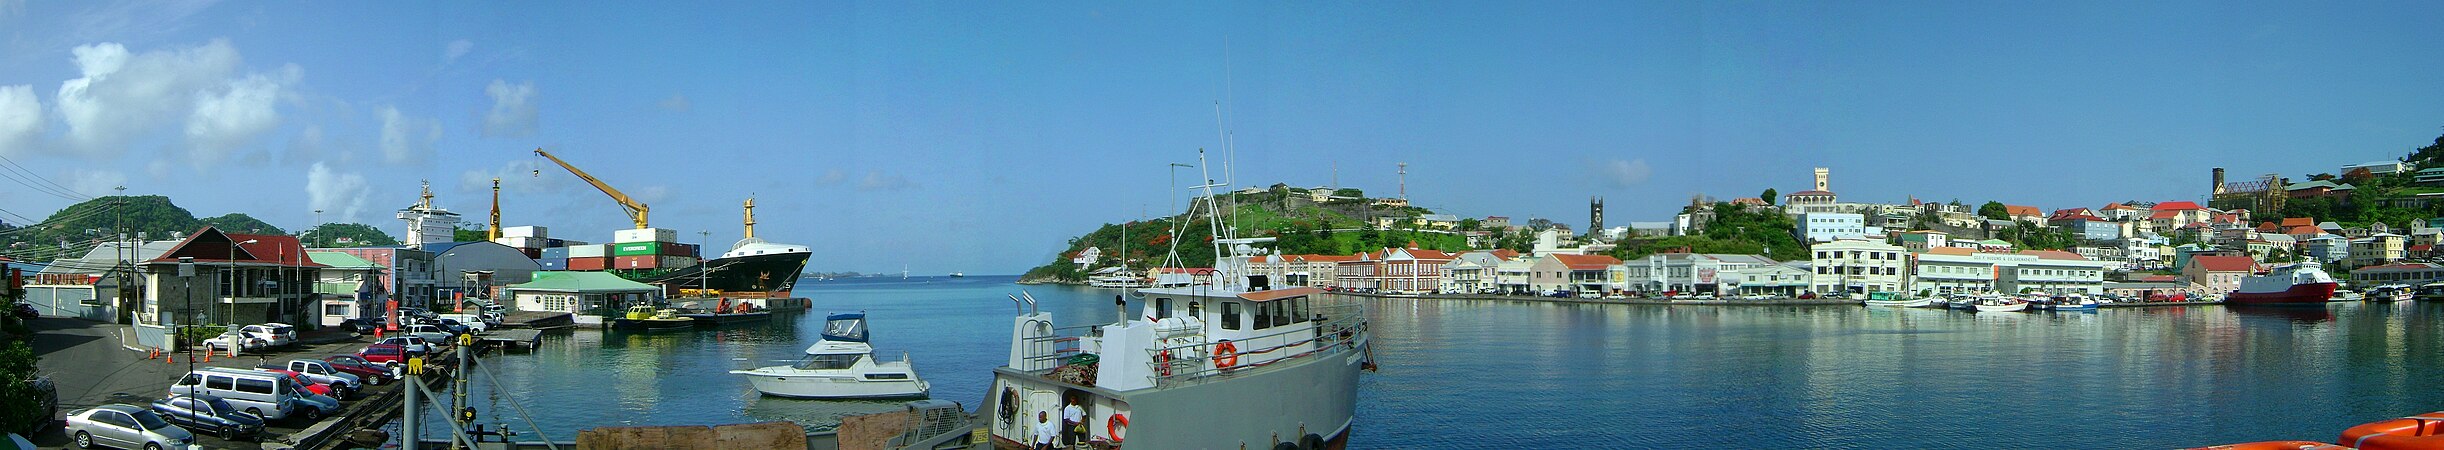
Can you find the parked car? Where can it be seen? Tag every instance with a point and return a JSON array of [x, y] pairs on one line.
[[317, 372], [310, 385], [473, 322], [314, 406], [205, 413], [46, 396], [25, 310], [361, 325], [264, 395], [453, 326], [237, 340], [373, 373], [278, 334], [431, 333], [413, 344], [388, 355], [125, 426]]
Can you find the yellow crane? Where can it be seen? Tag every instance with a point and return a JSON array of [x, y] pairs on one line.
[[636, 210]]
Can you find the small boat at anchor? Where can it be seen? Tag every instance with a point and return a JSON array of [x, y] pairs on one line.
[[646, 317], [840, 366]]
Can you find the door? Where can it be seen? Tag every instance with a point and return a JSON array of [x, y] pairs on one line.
[[118, 429], [1041, 401]]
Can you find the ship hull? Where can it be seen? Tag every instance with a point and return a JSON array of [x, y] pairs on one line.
[[771, 273], [1285, 402], [2309, 293]]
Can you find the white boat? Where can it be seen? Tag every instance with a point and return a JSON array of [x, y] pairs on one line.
[[1236, 360], [840, 366], [1910, 303], [2004, 305], [2304, 282]]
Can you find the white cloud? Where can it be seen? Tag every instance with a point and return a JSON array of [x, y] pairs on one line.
[[20, 118], [513, 109], [223, 121], [406, 139], [121, 95], [1624, 173], [676, 103], [456, 49], [832, 177], [340, 194], [878, 181], [95, 183]]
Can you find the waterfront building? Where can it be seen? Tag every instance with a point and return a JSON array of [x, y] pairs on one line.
[[1828, 227], [1472, 272], [1779, 280], [1572, 273], [1513, 276], [91, 287], [1857, 266], [2150, 289], [2413, 274], [2087, 226], [2377, 249], [1687, 272], [2379, 168], [347, 287], [587, 296], [2327, 248], [2218, 273], [235, 279], [1951, 270]]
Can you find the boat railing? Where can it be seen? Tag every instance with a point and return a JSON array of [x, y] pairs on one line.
[[1049, 350], [1343, 329]]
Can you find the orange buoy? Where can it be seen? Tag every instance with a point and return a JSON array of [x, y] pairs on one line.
[[1225, 355], [2276, 445], [2424, 431], [1112, 426]]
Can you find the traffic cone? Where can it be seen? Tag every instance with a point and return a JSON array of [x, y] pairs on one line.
[[207, 357], [169, 358]]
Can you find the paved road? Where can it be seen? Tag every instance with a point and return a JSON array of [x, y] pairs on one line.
[[92, 366]]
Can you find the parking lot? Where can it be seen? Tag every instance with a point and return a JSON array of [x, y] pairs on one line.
[[92, 364]]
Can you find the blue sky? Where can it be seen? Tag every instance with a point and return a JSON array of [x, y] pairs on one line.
[[978, 137]]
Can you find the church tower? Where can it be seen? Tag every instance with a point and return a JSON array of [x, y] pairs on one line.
[[1595, 215]]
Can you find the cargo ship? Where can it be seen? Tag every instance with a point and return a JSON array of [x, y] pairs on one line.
[[2302, 283], [752, 268]]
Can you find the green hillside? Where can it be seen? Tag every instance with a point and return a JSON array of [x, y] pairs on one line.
[[340, 235], [1298, 224], [242, 223], [74, 229]]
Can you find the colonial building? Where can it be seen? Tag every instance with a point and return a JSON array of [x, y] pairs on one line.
[[2217, 273], [1573, 273], [215, 278]]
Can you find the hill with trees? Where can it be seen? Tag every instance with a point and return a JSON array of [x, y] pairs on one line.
[[1344, 223], [241, 223]]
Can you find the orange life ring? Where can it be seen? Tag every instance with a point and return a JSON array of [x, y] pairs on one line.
[[2420, 431], [1112, 427], [1225, 355]]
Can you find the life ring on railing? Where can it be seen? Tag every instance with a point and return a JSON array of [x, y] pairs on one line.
[[1225, 355], [1162, 362], [1009, 405], [1112, 427]]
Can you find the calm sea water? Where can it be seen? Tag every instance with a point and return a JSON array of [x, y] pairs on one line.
[[1518, 374]]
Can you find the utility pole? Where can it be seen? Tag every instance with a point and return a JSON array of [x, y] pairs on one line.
[[1404, 181]]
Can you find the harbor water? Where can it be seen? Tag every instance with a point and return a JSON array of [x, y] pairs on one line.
[[1532, 374]]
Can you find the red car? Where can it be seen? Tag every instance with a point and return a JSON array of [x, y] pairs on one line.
[[311, 386], [372, 372], [385, 354]]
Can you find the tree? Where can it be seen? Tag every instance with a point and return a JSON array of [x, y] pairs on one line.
[[1768, 196], [1470, 224], [1994, 210], [2359, 175], [1349, 192]]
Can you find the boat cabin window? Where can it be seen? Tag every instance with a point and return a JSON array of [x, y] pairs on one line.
[[1266, 312], [886, 376], [1296, 308], [1230, 315], [818, 362], [1162, 308]]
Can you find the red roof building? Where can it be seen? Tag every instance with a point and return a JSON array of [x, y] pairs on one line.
[[2177, 206]]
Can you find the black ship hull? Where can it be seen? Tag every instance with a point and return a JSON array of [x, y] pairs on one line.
[[770, 273]]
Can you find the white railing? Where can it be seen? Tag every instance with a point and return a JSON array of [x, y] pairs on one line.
[[1344, 328]]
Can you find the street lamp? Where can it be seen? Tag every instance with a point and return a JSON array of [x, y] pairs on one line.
[[234, 288]]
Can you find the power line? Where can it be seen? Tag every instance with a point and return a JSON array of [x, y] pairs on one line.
[[47, 186]]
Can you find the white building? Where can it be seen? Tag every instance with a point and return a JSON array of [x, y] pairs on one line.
[[1780, 280], [1954, 271], [1829, 227], [1686, 272], [1857, 266], [1473, 272]]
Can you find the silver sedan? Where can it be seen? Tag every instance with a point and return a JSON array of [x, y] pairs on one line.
[[125, 426]]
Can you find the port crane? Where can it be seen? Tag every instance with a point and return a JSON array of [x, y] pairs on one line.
[[636, 210]]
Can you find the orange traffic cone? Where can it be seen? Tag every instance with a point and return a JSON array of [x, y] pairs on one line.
[[207, 356], [169, 358], [155, 354]]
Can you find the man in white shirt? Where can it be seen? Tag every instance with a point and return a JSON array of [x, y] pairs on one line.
[[1073, 423], [1045, 431]]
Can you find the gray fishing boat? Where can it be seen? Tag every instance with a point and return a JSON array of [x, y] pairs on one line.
[[1233, 362]]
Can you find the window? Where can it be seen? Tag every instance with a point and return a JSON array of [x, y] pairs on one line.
[[255, 386], [1230, 315], [1264, 315], [221, 383], [1162, 308], [819, 362], [1298, 310]]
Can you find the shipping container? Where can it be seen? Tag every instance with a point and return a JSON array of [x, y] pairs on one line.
[[636, 249], [644, 235], [589, 264], [555, 242], [532, 253], [676, 262], [687, 250], [554, 263], [526, 231], [520, 242], [587, 251], [635, 262], [555, 253]]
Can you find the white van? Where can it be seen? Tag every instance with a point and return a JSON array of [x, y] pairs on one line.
[[263, 394], [476, 323]]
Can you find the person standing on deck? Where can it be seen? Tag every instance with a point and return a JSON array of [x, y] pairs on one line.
[[1073, 423], [1045, 431]]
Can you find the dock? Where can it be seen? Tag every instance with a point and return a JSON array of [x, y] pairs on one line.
[[512, 339], [540, 320]]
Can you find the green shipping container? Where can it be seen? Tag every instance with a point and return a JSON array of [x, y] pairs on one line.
[[636, 249]]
